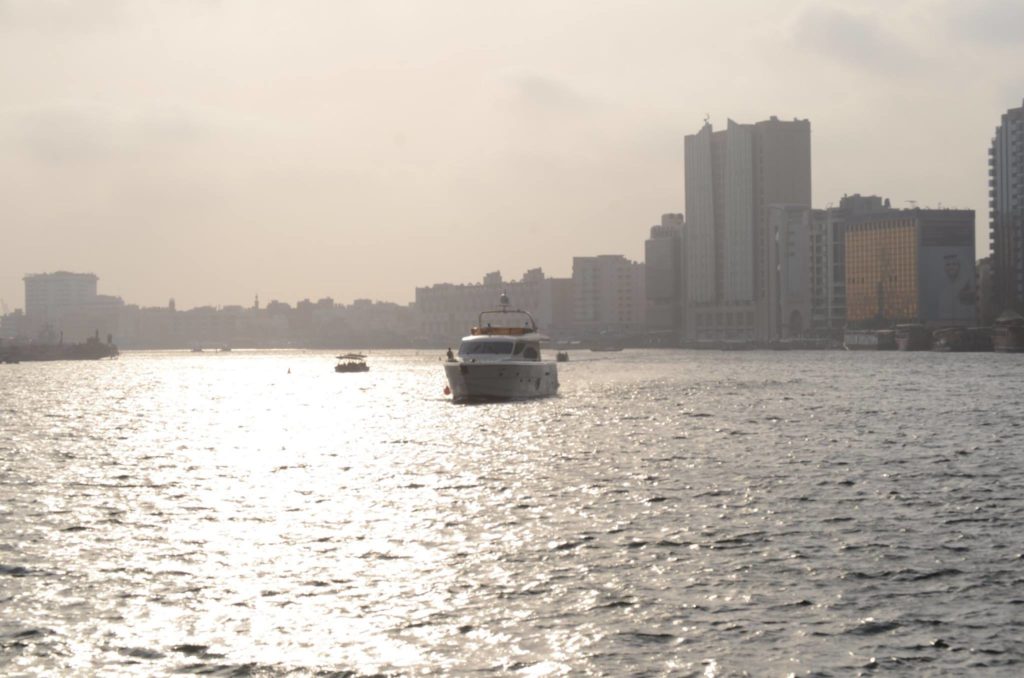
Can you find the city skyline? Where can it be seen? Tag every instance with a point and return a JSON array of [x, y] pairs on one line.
[[364, 151]]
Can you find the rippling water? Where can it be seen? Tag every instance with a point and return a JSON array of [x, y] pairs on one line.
[[684, 513]]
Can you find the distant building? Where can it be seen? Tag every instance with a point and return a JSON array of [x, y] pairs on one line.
[[789, 261], [12, 324], [663, 255], [608, 295], [1006, 211], [908, 266], [732, 177], [986, 307], [48, 296], [66, 305], [445, 312], [828, 259]]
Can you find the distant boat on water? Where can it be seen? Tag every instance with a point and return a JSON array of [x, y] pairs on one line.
[[352, 362], [913, 337], [1008, 333], [869, 340]]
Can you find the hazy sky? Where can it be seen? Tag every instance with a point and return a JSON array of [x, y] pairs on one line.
[[211, 150]]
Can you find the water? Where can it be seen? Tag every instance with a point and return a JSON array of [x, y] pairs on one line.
[[670, 513]]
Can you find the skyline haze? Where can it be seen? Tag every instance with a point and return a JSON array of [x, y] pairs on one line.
[[211, 151]]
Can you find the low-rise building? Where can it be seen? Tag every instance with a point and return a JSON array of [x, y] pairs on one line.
[[445, 312]]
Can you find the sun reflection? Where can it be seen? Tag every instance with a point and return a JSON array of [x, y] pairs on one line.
[[219, 514]]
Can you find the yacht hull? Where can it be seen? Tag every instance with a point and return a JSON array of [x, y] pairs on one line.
[[507, 380]]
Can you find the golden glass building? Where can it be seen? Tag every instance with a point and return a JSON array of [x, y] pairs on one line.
[[909, 266]]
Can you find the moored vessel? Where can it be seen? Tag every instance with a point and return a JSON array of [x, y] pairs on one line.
[[869, 340], [501, 359], [90, 349], [950, 339], [1008, 333], [913, 337]]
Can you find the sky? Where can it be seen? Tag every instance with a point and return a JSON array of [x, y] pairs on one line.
[[212, 150]]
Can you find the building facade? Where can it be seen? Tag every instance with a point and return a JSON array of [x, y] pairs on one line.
[[986, 296], [65, 306], [732, 177], [1006, 211], [446, 311], [911, 266], [828, 259], [663, 284], [608, 296], [789, 260]]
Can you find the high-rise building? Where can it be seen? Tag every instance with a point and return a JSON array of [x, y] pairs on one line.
[[1006, 211], [911, 266], [663, 272], [986, 310], [732, 177]]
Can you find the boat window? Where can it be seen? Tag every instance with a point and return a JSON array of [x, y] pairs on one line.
[[531, 352], [485, 348], [520, 345]]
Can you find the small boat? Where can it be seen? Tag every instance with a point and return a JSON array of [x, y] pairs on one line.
[[1008, 333], [869, 340], [958, 339], [979, 339], [950, 339], [351, 362], [562, 356], [913, 337], [500, 359]]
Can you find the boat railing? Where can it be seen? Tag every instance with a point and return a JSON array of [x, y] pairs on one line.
[[501, 331], [504, 328]]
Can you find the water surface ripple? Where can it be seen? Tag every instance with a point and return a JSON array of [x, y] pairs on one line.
[[670, 513]]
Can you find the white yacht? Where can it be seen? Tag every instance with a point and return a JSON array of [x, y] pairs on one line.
[[500, 359]]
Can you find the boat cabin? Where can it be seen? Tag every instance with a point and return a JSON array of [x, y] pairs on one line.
[[352, 362], [489, 347]]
